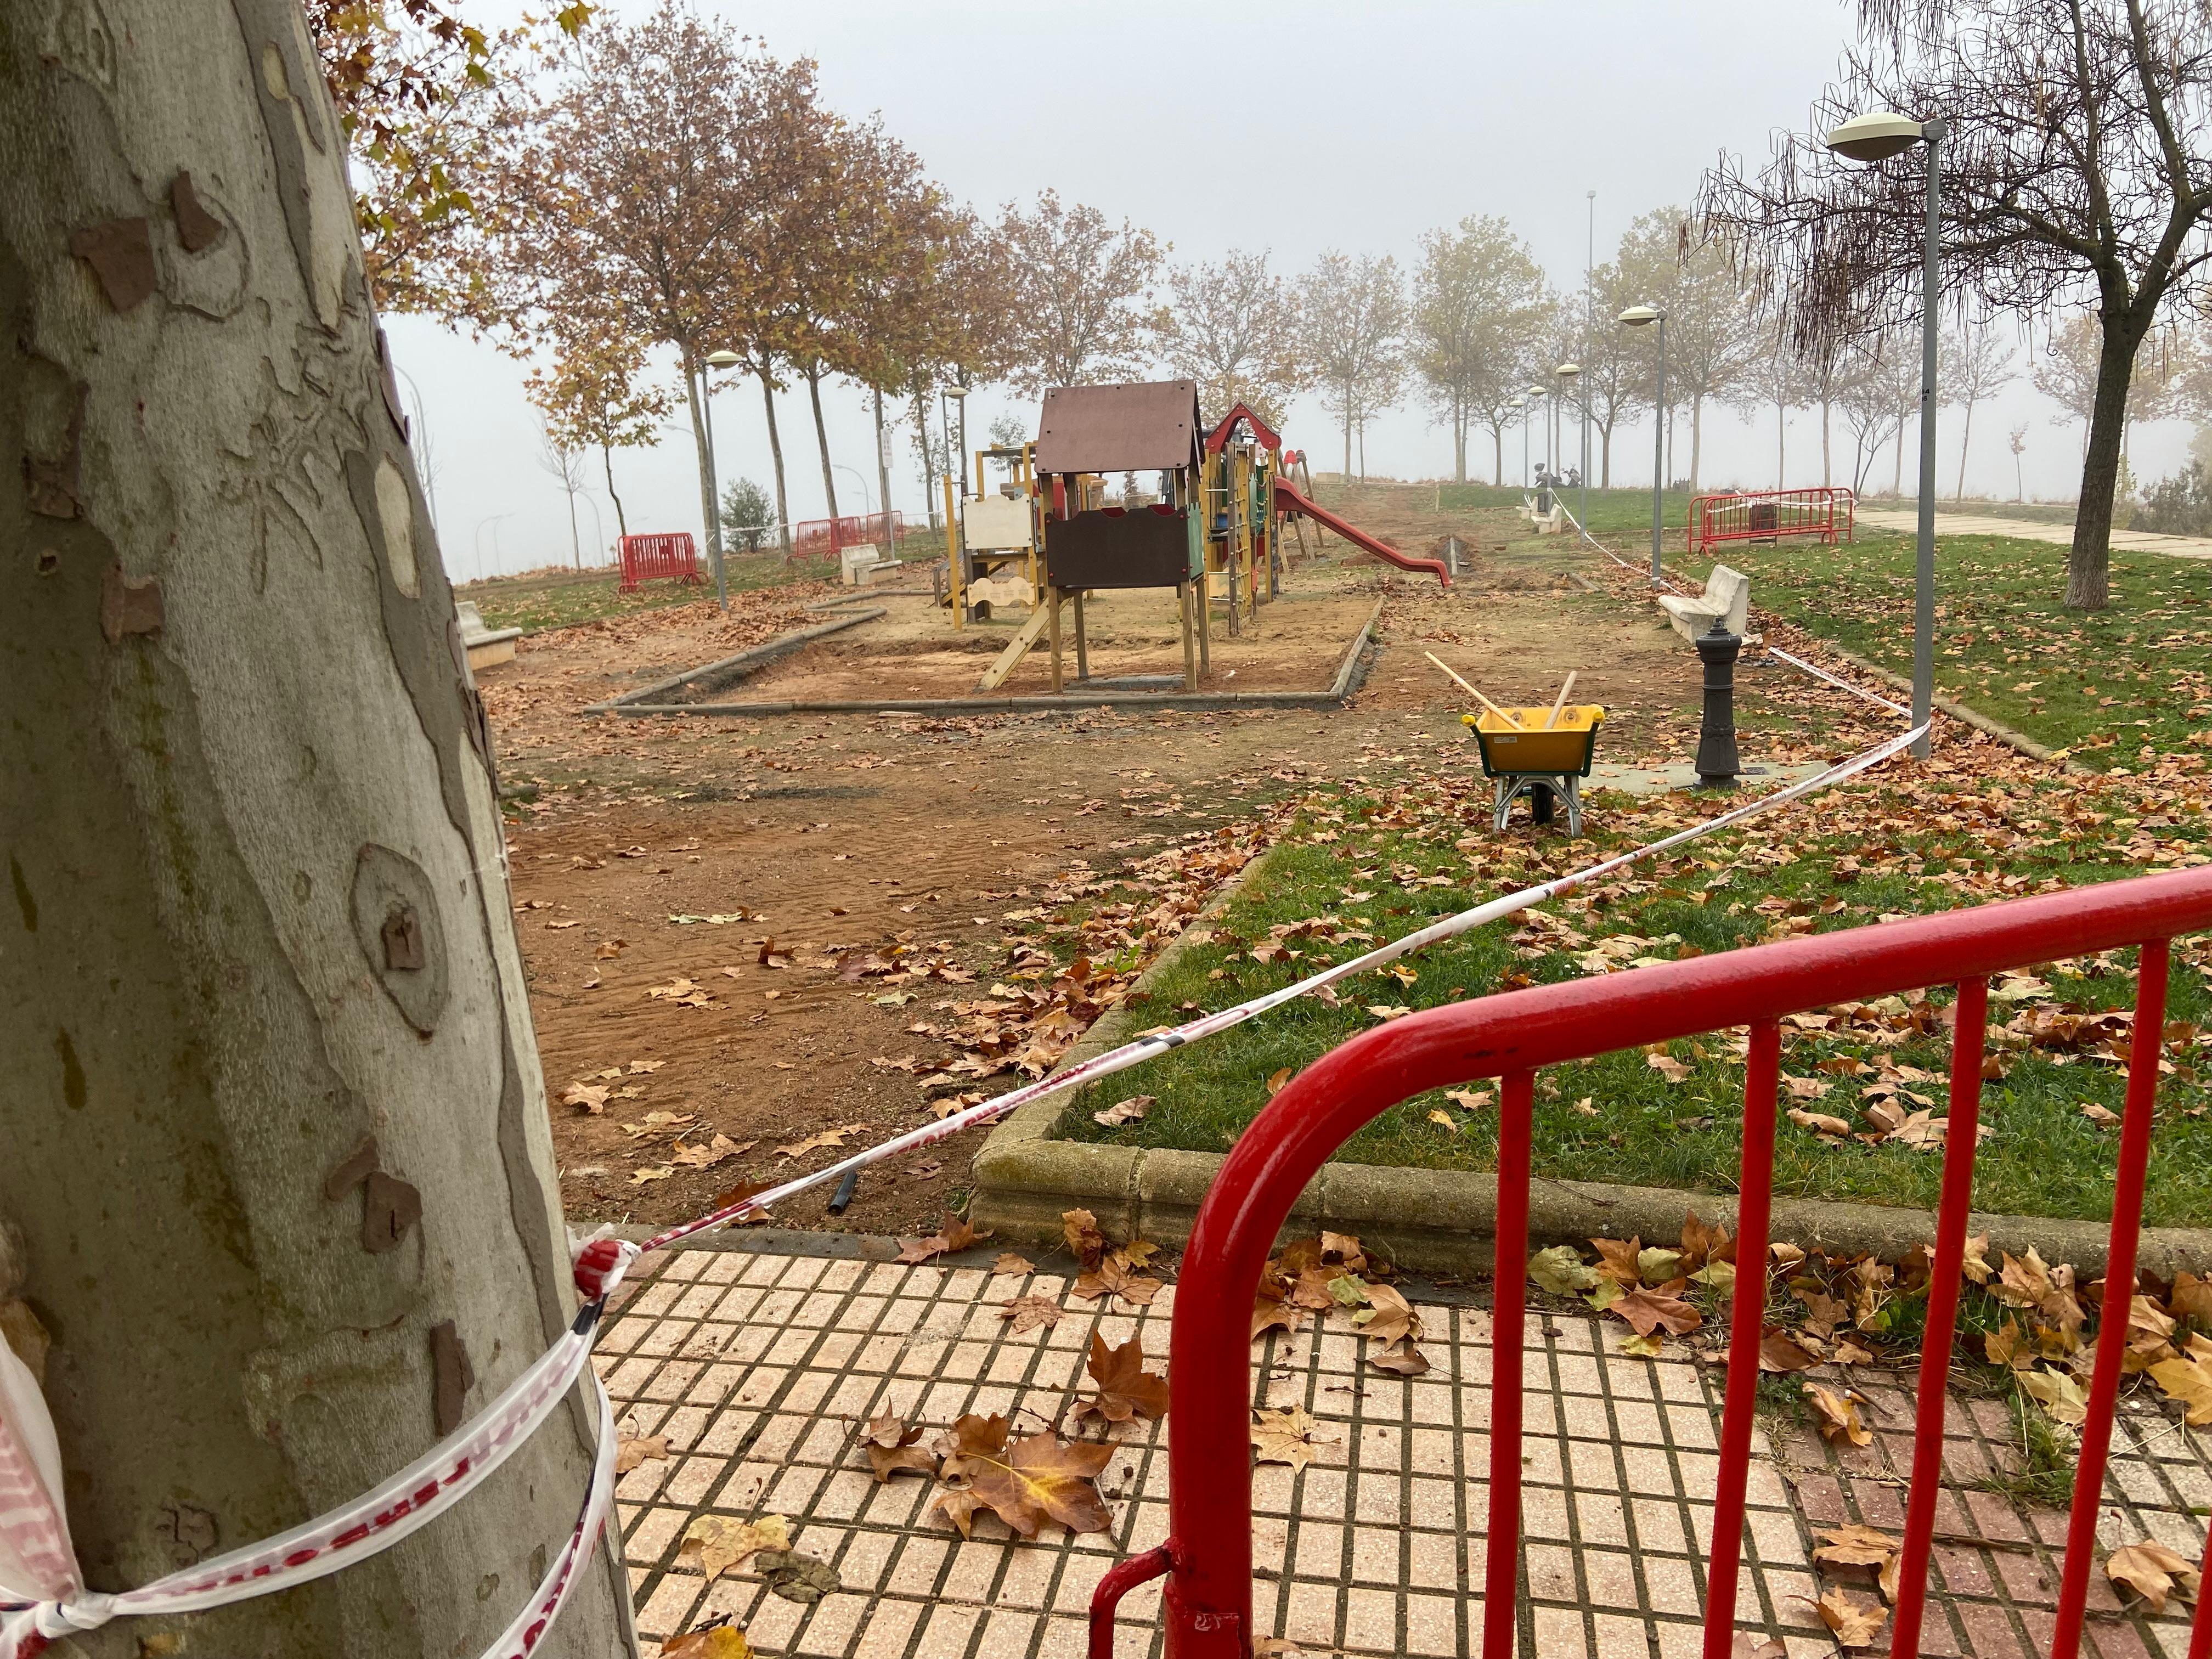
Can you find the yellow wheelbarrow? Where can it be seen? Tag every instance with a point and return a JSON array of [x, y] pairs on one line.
[[1538, 752]]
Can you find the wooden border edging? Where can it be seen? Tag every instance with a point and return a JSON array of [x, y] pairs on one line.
[[736, 666], [1349, 674]]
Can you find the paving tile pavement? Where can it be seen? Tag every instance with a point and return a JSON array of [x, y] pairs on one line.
[[1988, 524], [761, 1368]]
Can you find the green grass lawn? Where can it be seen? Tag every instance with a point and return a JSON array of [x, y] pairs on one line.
[[1613, 513], [534, 603], [1382, 865], [2114, 687]]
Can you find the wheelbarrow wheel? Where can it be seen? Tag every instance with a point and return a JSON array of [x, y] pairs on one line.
[[1540, 802]]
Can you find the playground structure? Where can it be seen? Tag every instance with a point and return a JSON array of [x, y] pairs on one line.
[[1767, 515], [668, 554], [1229, 498]]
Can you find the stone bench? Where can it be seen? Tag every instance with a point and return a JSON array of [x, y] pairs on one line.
[[1728, 595], [487, 647]]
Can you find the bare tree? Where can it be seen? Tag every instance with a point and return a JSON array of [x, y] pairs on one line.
[[565, 467], [1775, 377], [1354, 311], [2075, 133], [1617, 365], [1877, 385], [2019, 437], [1478, 303], [1711, 338], [2071, 373], [277, 1150], [1083, 289], [1980, 367], [1234, 328]]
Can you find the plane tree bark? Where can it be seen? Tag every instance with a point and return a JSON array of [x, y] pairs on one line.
[[277, 1169]]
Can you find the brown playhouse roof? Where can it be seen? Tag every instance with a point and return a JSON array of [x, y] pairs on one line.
[[1135, 427]]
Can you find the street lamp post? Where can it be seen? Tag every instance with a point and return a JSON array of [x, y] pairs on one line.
[[1875, 137], [715, 360], [1522, 404], [1637, 317], [867, 496]]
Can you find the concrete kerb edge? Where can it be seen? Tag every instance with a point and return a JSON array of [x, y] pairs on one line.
[[743, 663], [1439, 1221]]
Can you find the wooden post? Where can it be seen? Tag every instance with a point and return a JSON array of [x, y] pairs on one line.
[[1052, 598], [1204, 604], [1082, 645], [1189, 638], [952, 573]]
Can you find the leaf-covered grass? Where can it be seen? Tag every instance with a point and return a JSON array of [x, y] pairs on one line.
[[1389, 862], [2117, 687]]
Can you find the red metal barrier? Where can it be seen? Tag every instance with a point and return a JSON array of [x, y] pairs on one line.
[[1208, 1596], [1765, 515], [647, 558], [826, 537]]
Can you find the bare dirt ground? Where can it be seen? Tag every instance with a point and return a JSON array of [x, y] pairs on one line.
[[686, 886]]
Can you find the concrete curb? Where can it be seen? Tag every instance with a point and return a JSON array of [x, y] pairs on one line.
[[1349, 674], [734, 668], [1440, 1221]]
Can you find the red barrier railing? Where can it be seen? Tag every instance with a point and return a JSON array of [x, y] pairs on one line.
[[1208, 1595], [1765, 515], [826, 537], [648, 558]]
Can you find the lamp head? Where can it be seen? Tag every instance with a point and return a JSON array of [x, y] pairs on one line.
[[1875, 136], [1637, 316], [956, 392], [1538, 391], [723, 360], [1568, 371]]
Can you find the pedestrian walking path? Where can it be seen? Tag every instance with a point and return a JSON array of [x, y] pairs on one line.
[[1984, 524], [761, 1370]]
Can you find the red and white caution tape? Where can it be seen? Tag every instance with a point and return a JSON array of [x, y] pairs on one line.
[[35, 1560], [375, 1521]]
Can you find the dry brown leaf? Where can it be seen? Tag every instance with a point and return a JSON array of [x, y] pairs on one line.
[[1283, 1435], [712, 1642], [1855, 1545], [1820, 1123], [1029, 1312], [2151, 1571], [1267, 1314], [1131, 1110], [1853, 1622], [1839, 1415], [1080, 1229], [1030, 1482], [715, 1543], [629, 1453], [1668, 1066], [592, 1096], [1778, 1350], [1388, 1317], [1125, 1389], [952, 1234], [2190, 1383], [1655, 1309], [891, 1447], [1617, 1261], [1010, 1262]]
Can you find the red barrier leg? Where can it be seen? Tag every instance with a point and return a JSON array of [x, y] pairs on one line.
[[2119, 1295], [1969, 1036], [1501, 1575], [1747, 1325]]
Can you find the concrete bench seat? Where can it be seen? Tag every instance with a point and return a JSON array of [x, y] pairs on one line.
[[1728, 594], [487, 647]]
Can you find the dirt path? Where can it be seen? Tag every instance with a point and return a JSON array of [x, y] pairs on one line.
[[796, 841]]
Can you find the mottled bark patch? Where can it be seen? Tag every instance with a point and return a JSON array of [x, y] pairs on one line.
[[121, 254], [453, 1377], [129, 605], [197, 228]]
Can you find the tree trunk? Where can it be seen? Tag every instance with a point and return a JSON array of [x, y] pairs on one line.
[[883, 473], [1897, 473], [1604, 455], [813, 372], [240, 740], [2088, 565], [1497, 456], [1347, 432], [764, 370], [607, 459], [921, 427], [1781, 447], [1827, 471], [1965, 433], [575, 541], [1459, 443], [694, 394], [1696, 438]]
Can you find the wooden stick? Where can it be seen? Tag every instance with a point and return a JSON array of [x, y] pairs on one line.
[[1552, 719], [1504, 714]]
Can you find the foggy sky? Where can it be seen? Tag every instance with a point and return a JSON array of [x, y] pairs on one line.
[[1297, 128]]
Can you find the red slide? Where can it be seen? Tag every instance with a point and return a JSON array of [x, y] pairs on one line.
[[1289, 502]]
